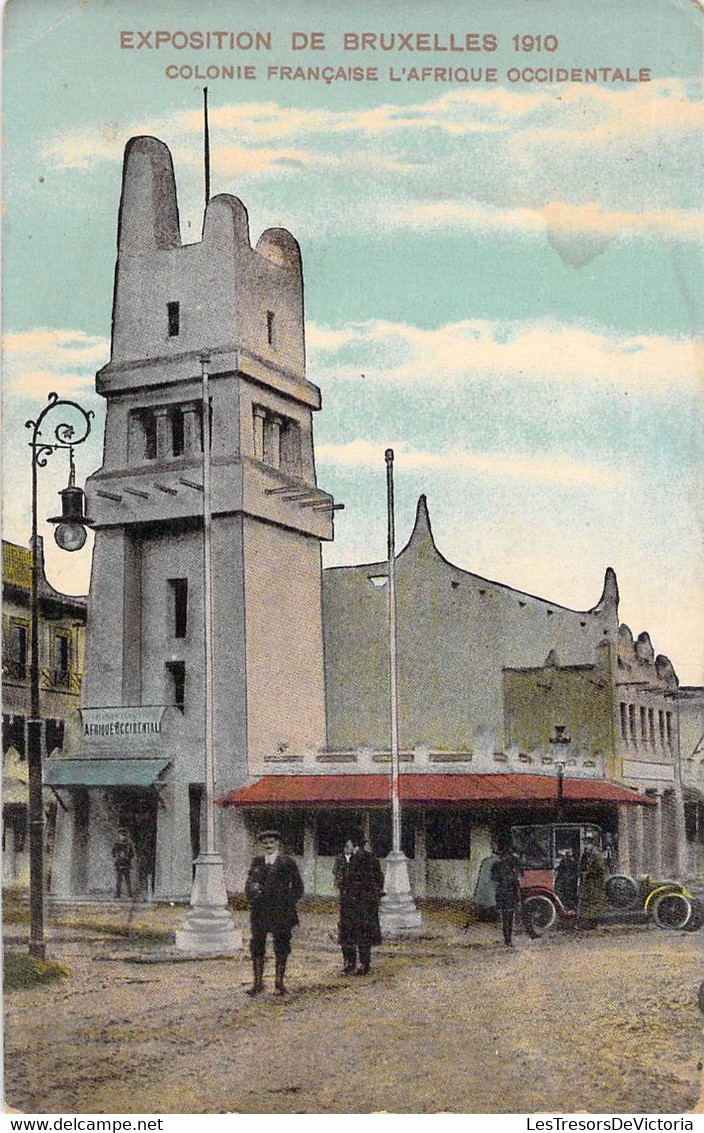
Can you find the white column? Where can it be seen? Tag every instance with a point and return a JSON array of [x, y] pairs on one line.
[[625, 854], [309, 852], [420, 860], [163, 434], [259, 415], [191, 430], [64, 841], [656, 838], [638, 852], [272, 440]]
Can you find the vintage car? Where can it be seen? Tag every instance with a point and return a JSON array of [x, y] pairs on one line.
[[550, 854]]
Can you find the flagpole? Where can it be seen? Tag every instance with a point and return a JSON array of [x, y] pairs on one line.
[[209, 926], [397, 913], [393, 660]]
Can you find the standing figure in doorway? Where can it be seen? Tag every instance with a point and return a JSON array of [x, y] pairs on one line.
[[567, 879], [360, 881], [506, 874], [273, 888], [123, 856], [592, 884]]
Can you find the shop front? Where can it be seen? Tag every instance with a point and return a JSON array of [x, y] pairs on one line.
[[132, 775], [449, 822]]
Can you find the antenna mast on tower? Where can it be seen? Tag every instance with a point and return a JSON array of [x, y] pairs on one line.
[[206, 145]]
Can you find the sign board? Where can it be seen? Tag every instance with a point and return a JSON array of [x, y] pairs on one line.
[[642, 769], [136, 727]]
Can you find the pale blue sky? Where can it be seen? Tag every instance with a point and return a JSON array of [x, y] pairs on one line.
[[515, 268]]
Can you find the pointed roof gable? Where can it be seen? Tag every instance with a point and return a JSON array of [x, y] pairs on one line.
[[422, 533]]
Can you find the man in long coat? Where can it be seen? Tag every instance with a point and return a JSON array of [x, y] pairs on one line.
[[273, 888], [506, 874], [358, 876]]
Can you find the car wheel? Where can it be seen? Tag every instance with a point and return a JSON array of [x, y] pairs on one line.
[[622, 892], [671, 910], [540, 912], [696, 920]]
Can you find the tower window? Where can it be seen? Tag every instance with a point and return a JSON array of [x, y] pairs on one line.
[[272, 440], [62, 654], [177, 431], [177, 672], [18, 651], [173, 311], [179, 590], [54, 732], [277, 441], [270, 327], [13, 734], [624, 721], [149, 426]]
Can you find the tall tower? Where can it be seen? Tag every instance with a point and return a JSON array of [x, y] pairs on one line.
[[243, 306]]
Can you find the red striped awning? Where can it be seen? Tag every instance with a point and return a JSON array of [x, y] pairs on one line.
[[426, 790]]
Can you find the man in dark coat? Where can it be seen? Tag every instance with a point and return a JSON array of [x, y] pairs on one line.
[[123, 856], [273, 887], [358, 876], [506, 874], [567, 879]]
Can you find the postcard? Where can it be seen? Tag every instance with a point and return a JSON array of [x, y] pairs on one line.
[[352, 588]]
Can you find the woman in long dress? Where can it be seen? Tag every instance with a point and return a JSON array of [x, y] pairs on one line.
[[360, 881]]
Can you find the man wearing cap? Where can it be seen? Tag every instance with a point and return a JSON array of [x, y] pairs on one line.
[[273, 887], [506, 874], [123, 856]]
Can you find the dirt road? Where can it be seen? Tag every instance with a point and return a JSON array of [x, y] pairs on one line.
[[604, 1021]]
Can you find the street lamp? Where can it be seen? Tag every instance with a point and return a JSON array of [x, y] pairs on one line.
[[209, 926], [398, 912], [70, 535], [560, 740]]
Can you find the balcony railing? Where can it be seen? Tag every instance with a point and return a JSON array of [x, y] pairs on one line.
[[62, 679]]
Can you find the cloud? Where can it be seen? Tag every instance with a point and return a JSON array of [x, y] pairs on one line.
[[576, 161], [556, 218], [544, 351], [41, 360], [587, 114], [359, 454]]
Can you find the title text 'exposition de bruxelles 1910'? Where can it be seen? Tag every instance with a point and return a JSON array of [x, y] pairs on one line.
[[447, 45]]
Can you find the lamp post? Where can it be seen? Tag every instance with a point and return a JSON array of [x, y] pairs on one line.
[[398, 912], [560, 741], [70, 535], [209, 926]]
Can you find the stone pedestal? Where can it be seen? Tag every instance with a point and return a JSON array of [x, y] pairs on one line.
[[209, 926], [397, 913]]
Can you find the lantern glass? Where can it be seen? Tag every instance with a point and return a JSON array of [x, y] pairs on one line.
[[70, 536]]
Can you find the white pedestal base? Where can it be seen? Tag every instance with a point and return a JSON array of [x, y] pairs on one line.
[[397, 912], [209, 926]]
